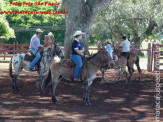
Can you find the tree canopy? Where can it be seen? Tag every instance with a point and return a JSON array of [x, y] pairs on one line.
[[5, 29], [137, 19], [25, 20]]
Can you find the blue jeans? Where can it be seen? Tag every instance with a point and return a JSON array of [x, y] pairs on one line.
[[35, 60], [78, 61]]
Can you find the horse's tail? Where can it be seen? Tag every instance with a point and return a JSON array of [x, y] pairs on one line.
[[48, 79], [10, 68], [137, 64]]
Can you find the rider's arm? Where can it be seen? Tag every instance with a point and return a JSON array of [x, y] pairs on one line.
[[33, 43], [79, 52]]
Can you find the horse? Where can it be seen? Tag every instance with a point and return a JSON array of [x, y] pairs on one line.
[[22, 61], [132, 58], [120, 65], [93, 64]]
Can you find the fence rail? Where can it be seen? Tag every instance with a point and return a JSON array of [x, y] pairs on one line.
[[24, 48]]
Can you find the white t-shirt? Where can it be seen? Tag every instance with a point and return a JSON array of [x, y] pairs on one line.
[[126, 45]]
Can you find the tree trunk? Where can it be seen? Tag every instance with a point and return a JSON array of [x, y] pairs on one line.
[[80, 17]]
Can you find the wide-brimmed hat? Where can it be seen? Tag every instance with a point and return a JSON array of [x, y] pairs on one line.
[[78, 33], [39, 30], [51, 34], [109, 41]]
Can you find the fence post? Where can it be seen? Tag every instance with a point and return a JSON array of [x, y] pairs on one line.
[[14, 48], [17, 47], [149, 55], [156, 53]]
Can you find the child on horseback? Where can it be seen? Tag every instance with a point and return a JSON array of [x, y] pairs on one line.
[[125, 45], [34, 46], [77, 51]]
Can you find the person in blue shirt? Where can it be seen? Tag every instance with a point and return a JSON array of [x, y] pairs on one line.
[[77, 51], [109, 48], [34, 46]]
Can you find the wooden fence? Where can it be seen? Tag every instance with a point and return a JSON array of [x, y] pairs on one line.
[[23, 48], [157, 56]]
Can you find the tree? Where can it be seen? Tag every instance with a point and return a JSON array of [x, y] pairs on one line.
[[25, 21], [5, 29], [80, 17], [138, 19]]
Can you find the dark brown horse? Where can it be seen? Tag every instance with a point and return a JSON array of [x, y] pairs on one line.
[[89, 73]]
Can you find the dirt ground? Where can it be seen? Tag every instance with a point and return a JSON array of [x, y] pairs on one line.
[[110, 102]]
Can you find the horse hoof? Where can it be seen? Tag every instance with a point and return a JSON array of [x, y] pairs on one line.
[[43, 92], [89, 103], [37, 93], [86, 104], [55, 102], [17, 91]]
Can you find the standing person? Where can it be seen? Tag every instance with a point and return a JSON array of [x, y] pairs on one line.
[[125, 45], [46, 41], [51, 39], [77, 51], [99, 45], [109, 47], [34, 46]]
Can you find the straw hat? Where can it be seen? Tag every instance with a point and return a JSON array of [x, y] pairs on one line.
[[51, 34], [39, 30], [109, 41], [78, 33]]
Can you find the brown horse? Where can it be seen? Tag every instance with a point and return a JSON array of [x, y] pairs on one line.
[[132, 58], [120, 64], [93, 64]]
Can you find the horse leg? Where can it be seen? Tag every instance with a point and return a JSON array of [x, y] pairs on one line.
[[38, 85], [103, 80], [138, 67], [118, 70], [125, 73], [130, 70], [54, 85], [86, 93]]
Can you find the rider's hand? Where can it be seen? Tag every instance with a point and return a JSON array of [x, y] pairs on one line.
[[87, 56]]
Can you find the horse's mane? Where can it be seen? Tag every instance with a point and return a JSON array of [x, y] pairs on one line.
[[92, 56]]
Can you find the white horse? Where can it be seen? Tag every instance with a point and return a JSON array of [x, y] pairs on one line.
[[23, 60]]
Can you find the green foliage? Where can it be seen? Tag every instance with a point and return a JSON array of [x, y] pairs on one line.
[[131, 18], [5, 30], [25, 20]]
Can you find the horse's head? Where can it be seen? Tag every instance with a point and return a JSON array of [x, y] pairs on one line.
[[106, 58], [57, 50]]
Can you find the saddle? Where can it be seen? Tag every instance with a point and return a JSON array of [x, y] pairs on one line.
[[30, 56], [127, 55], [68, 63]]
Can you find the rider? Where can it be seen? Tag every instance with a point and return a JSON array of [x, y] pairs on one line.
[[125, 45], [51, 40], [109, 48], [35, 45], [77, 52], [99, 45]]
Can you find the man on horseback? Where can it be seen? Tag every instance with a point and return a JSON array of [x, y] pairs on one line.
[[125, 45], [77, 51], [34, 46]]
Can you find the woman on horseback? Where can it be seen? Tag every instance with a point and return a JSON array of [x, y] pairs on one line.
[[77, 51]]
